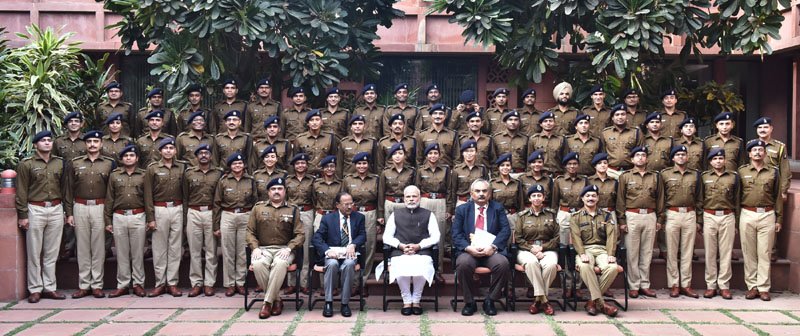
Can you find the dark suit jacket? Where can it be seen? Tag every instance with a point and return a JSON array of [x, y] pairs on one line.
[[329, 233], [496, 224]]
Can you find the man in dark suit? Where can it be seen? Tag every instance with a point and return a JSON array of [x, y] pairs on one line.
[[481, 213], [340, 233]]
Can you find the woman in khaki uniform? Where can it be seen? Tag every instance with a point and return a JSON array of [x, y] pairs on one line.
[[536, 232]]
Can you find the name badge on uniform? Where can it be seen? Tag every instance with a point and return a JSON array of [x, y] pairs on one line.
[[424, 176], [348, 148], [161, 174], [772, 151], [81, 168], [286, 218], [709, 181], [747, 176], [714, 146], [229, 189]]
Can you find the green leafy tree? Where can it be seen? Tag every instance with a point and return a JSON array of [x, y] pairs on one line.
[[311, 43], [618, 35]]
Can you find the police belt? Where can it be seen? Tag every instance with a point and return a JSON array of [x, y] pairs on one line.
[[324, 212], [681, 209], [200, 207], [168, 204], [758, 209], [236, 210], [718, 212], [305, 207], [641, 211], [568, 209], [433, 195], [46, 204], [83, 201], [129, 212], [394, 199], [365, 207]]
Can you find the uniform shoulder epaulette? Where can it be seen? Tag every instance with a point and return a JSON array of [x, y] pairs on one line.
[[139, 170], [79, 157], [708, 137], [550, 210], [735, 137], [183, 133], [143, 109], [373, 175], [27, 159], [778, 142], [118, 169], [384, 137], [608, 128], [107, 157], [152, 163], [665, 170], [57, 157], [261, 203]]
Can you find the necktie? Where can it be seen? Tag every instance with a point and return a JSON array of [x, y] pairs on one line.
[[345, 237], [479, 224]]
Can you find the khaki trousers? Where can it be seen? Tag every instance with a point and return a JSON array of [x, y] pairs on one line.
[[597, 256], [757, 232], [718, 236], [370, 221], [233, 228], [439, 208], [42, 241], [562, 217], [167, 243], [681, 229], [129, 236], [539, 272], [91, 237], [270, 271], [200, 236], [639, 242], [307, 218]]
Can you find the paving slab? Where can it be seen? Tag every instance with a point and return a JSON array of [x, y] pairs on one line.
[[206, 315], [13, 315], [55, 329], [512, 329], [643, 316], [457, 329], [80, 315], [776, 330], [590, 329], [190, 328], [5, 328], [122, 329], [248, 328], [391, 329], [701, 316], [142, 315], [722, 329], [764, 317], [321, 328], [652, 329]]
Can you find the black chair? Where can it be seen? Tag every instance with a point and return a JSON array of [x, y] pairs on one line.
[[479, 271], [563, 252], [317, 266], [622, 260], [387, 252], [298, 260]]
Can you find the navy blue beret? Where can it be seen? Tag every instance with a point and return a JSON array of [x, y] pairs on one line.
[[194, 88], [467, 96], [114, 116], [618, 107], [599, 157], [755, 143], [278, 181], [397, 117], [113, 85], [762, 121], [469, 144], [596, 88], [313, 113], [293, 91], [128, 148], [431, 87], [715, 152], [500, 91], [360, 156], [230, 81], [586, 117], [233, 158], [475, 114], [676, 149], [628, 92], [327, 160], [357, 117], [589, 188], [569, 157], [686, 121], [92, 134], [333, 90], [670, 92], [300, 157], [155, 114], [368, 87], [166, 141], [652, 116], [536, 155], [400, 86], [263, 82], [530, 91], [155, 91], [546, 115], [432, 146], [203, 146], [513, 113], [723, 116], [73, 115], [503, 158], [270, 149], [195, 115], [233, 113], [536, 188], [437, 107], [272, 120], [637, 149], [396, 147]]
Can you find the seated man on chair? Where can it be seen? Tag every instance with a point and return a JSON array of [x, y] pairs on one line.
[[413, 231], [340, 233], [470, 251], [594, 236], [273, 231], [537, 233]]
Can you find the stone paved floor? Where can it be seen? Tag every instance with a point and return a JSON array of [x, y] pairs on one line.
[[225, 316]]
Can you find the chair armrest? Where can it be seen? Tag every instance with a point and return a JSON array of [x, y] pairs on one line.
[[563, 255], [513, 249]]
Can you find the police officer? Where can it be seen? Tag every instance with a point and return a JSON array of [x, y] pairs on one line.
[[200, 183], [325, 189], [425, 117], [125, 217], [725, 139], [776, 153], [594, 236], [505, 189], [566, 200], [334, 117], [114, 104], [194, 94], [262, 109], [283, 148], [372, 112], [355, 143], [401, 106], [148, 143], [466, 106], [292, 117], [394, 178], [761, 215], [606, 186], [40, 191], [485, 144], [363, 186], [536, 231], [619, 140], [670, 115], [548, 142], [433, 180], [694, 145], [720, 190], [234, 198], [230, 88], [232, 140], [510, 140], [87, 176], [682, 201], [637, 209], [438, 133], [536, 175], [563, 113], [464, 173], [300, 193], [69, 146], [314, 142], [163, 199], [114, 141], [657, 143], [398, 135], [155, 100], [190, 140], [528, 114], [269, 171], [274, 230], [584, 142], [494, 115], [599, 113], [630, 103]]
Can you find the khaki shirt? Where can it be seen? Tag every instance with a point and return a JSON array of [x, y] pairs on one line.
[[349, 147], [373, 116], [607, 191], [600, 119], [325, 193], [635, 120], [187, 143], [283, 148], [670, 122], [658, 152], [494, 116], [537, 228], [125, 192], [761, 188], [269, 225], [262, 178], [458, 122], [162, 184], [598, 229], [529, 120], [293, 122], [221, 109], [106, 109], [551, 147], [638, 191], [169, 126], [317, 147], [148, 149], [776, 157], [111, 147], [364, 191], [410, 113], [39, 181], [67, 148], [87, 179], [386, 143], [336, 123], [510, 194], [734, 150], [516, 144], [424, 120], [233, 195], [392, 183], [462, 177], [199, 186], [619, 144], [432, 180], [564, 120], [696, 149], [448, 145], [567, 192], [485, 150], [680, 190], [225, 146], [255, 116], [545, 181], [586, 151], [182, 119], [299, 192], [720, 192]]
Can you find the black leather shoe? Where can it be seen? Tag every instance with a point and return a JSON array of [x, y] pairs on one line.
[[488, 307], [416, 310], [327, 311], [346, 312], [469, 309], [407, 311]]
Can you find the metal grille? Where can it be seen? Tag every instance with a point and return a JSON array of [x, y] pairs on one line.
[[452, 74]]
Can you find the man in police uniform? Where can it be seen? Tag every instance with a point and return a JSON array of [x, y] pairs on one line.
[[355, 143], [598, 111], [563, 113], [401, 106], [292, 117], [124, 216], [720, 191], [372, 112], [314, 142], [230, 88], [199, 184], [40, 191], [548, 142], [283, 148], [776, 153], [233, 140], [725, 139], [148, 143], [606, 186], [262, 109], [657, 143], [69, 146], [619, 140], [584, 142], [510, 140], [194, 94], [566, 200], [433, 180], [485, 144], [155, 99], [682, 202], [528, 114], [761, 215], [334, 116], [637, 208], [438, 133], [670, 115], [425, 117], [694, 145], [274, 230], [87, 177], [464, 173], [494, 115], [114, 141], [397, 126], [631, 105], [300, 194], [189, 141], [363, 186], [467, 105], [114, 104]]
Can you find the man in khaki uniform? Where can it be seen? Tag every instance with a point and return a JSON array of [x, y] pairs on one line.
[[335, 118], [600, 113], [190, 140], [114, 104], [69, 146], [40, 191], [283, 148], [528, 114], [163, 200], [563, 113], [566, 200], [761, 215], [87, 177], [148, 143], [425, 117], [536, 175], [631, 105], [363, 186], [274, 230], [720, 192], [724, 139], [234, 197], [155, 102], [494, 115], [464, 173], [619, 140], [262, 109], [510, 140], [124, 215], [199, 184], [230, 89], [657, 143], [467, 105], [233, 140], [355, 143], [694, 145], [300, 194], [584, 143], [637, 209], [114, 141], [682, 202], [324, 189], [485, 144], [292, 117], [194, 94], [372, 112], [438, 133], [594, 236], [314, 142], [401, 106], [397, 128], [776, 157], [670, 115], [549, 143]]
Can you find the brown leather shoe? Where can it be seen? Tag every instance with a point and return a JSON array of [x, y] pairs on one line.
[[710, 293], [157, 291], [174, 291], [633, 293], [119, 292], [726, 294], [648, 292], [764, 296], [240, 290], [209, 291], [534, 308], [610, 310], [266, 309], [98, 293], [591, 308], [688, 291], [34, 297], [674, 292], [53, 295], [277, 308], [751, 294], [230, 291], [138, 290], [195, 291], [290, 290], [80, 293], [547, 308]]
